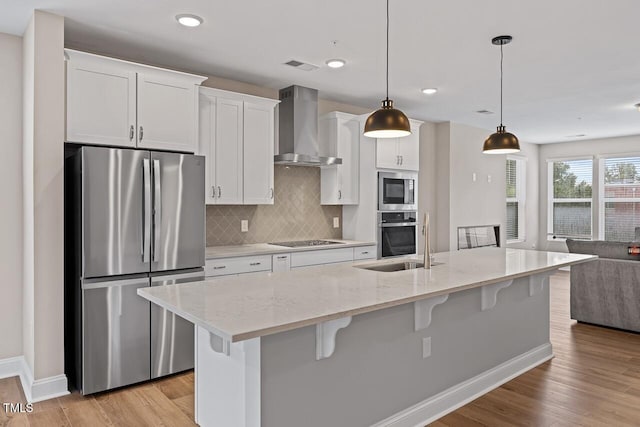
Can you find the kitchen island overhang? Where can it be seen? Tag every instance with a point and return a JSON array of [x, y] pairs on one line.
[[358, 347]]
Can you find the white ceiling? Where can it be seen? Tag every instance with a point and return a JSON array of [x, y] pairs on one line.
[[573, 67]]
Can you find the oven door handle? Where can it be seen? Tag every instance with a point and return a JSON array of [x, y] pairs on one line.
[[397, 224]]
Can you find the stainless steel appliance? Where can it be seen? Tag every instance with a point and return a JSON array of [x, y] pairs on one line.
[[397, 191], [304, 243], [298, 142], [134, 219], [397, 234]]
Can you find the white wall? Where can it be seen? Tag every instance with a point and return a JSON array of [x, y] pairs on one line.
[[11, 194], [461, 201], [43, 137], [596, 147]]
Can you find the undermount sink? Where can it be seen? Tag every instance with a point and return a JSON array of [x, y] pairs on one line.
[[396, 266]]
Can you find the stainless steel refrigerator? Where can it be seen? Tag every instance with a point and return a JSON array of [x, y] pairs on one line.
[[135, 219]]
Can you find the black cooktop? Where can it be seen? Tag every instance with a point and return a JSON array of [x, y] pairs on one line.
[[302, 243]]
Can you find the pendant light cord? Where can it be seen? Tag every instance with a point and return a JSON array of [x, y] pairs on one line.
[[501, 60], [387, 50]]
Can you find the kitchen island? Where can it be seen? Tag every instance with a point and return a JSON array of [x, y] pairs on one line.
[[343, 345]]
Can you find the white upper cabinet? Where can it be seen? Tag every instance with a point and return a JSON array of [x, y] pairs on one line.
[[166, 112], [258, 153], [226, 156], [237, 136], [101, 104], [340, 133], [120, 103], [400, 153]]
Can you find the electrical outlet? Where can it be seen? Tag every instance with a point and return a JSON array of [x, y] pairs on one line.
[[426, 347], [244, 225], [488, 178], [336, 222], [473, 177]]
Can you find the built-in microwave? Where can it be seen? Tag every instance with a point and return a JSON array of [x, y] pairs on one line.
[[397, 234], [397, 191]]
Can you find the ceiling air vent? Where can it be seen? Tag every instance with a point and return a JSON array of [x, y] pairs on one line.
[[301, 65], [484, 112]]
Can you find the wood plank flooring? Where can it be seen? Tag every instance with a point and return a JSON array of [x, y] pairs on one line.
[[594, 380]]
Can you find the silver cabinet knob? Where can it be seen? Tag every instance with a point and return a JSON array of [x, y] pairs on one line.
[[141, 133], [131, 133], [219, 192], [339, 194], [272, 192]]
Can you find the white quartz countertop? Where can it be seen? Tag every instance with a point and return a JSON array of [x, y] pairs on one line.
[[217, 252], [245, 307]]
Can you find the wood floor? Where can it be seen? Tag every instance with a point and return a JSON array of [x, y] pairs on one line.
[[594, 380]]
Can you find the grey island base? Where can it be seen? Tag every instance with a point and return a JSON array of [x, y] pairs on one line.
[[341, 345]]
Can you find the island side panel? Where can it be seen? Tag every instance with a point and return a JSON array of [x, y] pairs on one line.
[[378, 369]]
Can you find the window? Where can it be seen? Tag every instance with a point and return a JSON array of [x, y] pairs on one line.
[[620, 199], [515, 198], [570, 195]]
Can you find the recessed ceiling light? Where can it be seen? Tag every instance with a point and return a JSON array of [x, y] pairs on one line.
[[336, 63], [637, 106], [189, 20], [429, 90]]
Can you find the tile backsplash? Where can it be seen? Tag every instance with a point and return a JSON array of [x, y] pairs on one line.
[[295, 215]]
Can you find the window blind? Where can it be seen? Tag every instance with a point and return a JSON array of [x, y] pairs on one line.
[[515, 199], [621, 199]]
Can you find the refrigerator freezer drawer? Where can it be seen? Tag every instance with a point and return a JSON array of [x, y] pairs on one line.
[[172, 342], [115, 335]]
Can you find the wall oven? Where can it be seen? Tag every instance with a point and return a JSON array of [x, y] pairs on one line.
[[397, 233], [397, 191]]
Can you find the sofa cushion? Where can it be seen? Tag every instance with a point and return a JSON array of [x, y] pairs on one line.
[[604, 249]]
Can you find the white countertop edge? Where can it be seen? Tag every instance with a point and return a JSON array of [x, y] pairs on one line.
[[253, 249], [352, 312]]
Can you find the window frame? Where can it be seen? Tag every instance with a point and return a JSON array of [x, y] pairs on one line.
[[602, 200], [551, 200], [520, 198]]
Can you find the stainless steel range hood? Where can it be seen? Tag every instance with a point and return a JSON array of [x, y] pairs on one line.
[[298, 119]]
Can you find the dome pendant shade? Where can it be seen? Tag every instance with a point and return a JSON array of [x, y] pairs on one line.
[[387, 122], [501, 142]]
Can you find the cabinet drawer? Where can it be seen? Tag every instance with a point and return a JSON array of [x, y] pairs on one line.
[[325, 256], [365, 252], [226, 266]]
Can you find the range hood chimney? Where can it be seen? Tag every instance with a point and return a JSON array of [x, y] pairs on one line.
[[298, 119]]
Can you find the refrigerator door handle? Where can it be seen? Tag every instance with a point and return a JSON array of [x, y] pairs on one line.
[[146, 210], [157, 209]]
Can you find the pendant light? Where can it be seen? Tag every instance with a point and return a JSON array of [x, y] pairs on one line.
[[501, 142], [387, 122]]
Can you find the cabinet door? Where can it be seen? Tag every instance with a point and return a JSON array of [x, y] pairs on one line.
[[166, 112], [348, 171], [409, 151], [258, 154], [206, 144], [228, 151], [101, 104], [387, 153]]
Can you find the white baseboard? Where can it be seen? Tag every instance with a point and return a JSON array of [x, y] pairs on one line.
[[459, 395], [34, 391]]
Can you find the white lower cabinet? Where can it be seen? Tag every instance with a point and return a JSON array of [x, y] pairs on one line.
[[281, 262], [237, 265], [264, 264], [322, 256], [365, 252]]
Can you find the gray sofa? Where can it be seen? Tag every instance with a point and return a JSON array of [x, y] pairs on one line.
[[606, 291]]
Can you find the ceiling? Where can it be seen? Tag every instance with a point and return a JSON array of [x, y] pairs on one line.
[[573, 67]]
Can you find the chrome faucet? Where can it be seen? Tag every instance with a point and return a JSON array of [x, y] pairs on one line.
[[427, 247]]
